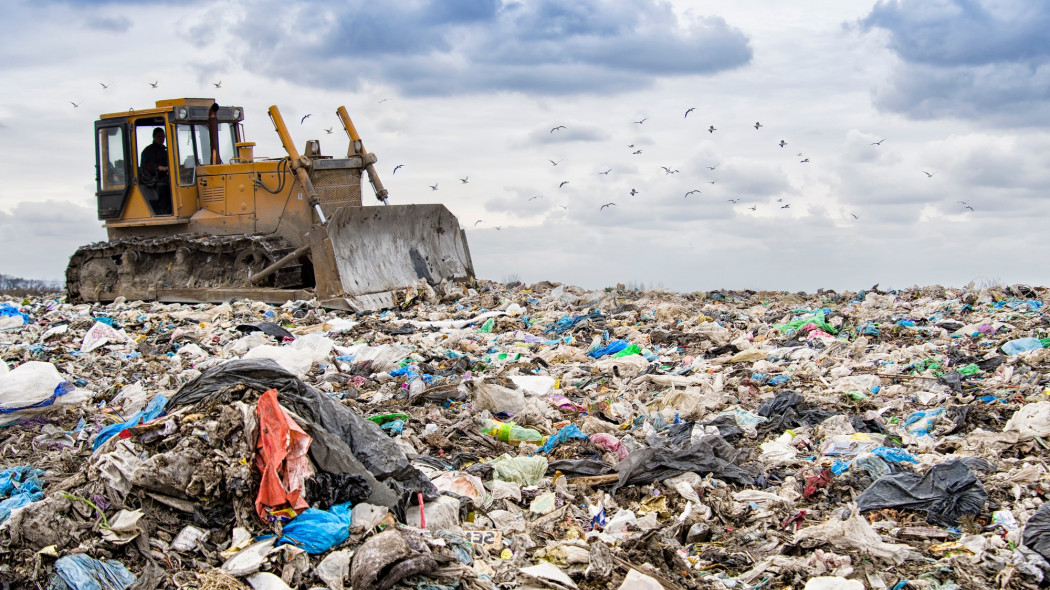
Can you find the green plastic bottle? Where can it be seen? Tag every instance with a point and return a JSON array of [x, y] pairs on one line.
[[511, 433]]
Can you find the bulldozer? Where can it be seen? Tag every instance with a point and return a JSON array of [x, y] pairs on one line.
[[205, 220]]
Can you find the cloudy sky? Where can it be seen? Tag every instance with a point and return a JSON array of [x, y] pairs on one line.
[[916, 132]]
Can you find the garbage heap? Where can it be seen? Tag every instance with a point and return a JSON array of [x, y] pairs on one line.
[[530, 436]]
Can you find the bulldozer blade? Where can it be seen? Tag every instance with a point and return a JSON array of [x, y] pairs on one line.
[[381, 250]]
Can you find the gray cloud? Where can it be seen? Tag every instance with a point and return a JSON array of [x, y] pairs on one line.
[[966, 59], [432, 48], [51, 230], [113, 24]]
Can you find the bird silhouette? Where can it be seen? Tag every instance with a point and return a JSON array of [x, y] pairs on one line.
[[75, 105], [477, 222], [961, 202], [154, 84], [689, 110], [553, 163], [804, 161], [753, 208], [464, 179], [667, 170], [395, 169], [712, 181], [497, 227], [644, 119], [563, 183], [713, 167], [305, 117], [328, 131], [564, 207], [733, 201], [928, 174], [969, 207], [631, 146], [697, 191], [383, 100], [536, 197], [786, 206], [633, 192], [636, 152], [711, 129], [434, 187], [217, 84], [854, 216], [783, 143], [606, 205], [879, 142], [757, 124], [606, 172], [553, 129], [780, 200], [104, 86]]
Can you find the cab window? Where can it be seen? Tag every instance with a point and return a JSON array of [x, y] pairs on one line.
[[185, 154], [112, 159]]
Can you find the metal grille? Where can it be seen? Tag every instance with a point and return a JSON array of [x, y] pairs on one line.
[[212, 194], [337, 188]]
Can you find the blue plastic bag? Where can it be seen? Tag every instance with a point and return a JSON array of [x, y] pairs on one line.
[[83, 572], [1021, 345], [317, 531], [17, 479], [894, 455], [567, 432], [611, 348], [18, 500], [152, 410]]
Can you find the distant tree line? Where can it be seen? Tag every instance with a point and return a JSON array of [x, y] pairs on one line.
[[10, 285]]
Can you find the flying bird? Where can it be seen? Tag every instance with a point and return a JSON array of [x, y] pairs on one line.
[[757, 124], [497, 228], [804, 161], [633, 192], [464, 179], [668, 170], [733, 201], [536, 197], [713, 167], [104, 86], [606, 172], [712, 181], [711, 129], [689, 110], [305, 117], [553, 163], [697, 191], [328, 131], [644, 119], [75, 105], [217, 84], [384, 100], [928, 174], [395, 169], [477, 222], [785, 206], [783, 143], [631, 145], [434, 187], [636, 152], [854, 216], [553, 129], [969, 207], [606, 205], [564, 207], [753, 207], [879, 142], [154, 84], [563, 183]]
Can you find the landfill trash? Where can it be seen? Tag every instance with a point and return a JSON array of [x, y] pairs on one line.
[[82, 572], [523, 436]]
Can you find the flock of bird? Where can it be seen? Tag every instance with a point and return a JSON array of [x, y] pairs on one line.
[[711, 129]]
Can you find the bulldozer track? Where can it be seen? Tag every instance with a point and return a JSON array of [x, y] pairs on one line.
[[105, 270]]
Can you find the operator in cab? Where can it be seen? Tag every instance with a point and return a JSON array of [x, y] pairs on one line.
[[153, 172]]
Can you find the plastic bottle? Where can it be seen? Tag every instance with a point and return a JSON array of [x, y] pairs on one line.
[[511, 433]]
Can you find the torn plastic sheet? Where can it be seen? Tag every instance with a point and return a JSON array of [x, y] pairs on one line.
[[317, 531], [945, 492], [83, 572], [281, 459], [153, 409], [343, 441]]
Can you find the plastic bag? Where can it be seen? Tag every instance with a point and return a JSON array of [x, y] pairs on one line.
[[661, 460], [101, 334], [1030, 421], [33, 388], [281, 459], [153, 409], [317, 531], [568, 432], [524, 470], [945, 492], [1036, 535], [82, 572]]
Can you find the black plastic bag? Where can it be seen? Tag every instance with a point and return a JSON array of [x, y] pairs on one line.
[[945, 492], [325, 490], [1036, 535], [662, 459], [789, 410], [268, 328], [579, 467]]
